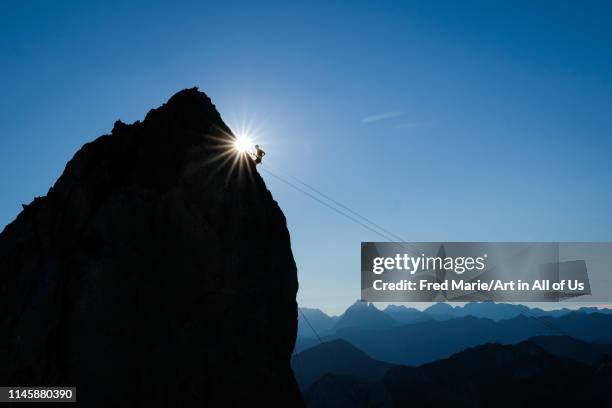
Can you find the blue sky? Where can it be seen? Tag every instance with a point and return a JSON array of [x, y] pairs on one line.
[[438, 120]]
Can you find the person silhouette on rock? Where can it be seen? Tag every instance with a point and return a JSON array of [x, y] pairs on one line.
[[259, 154]]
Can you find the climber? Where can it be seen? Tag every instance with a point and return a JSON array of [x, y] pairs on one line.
[[259, 154]]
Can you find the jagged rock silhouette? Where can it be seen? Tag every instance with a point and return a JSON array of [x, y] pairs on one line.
[[152, 275]]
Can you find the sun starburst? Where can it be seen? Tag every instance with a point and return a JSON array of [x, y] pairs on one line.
[[243, 144]]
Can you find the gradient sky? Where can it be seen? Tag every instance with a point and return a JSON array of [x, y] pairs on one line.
[[439, 120]]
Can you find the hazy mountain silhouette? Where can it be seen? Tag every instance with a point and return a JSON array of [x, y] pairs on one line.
[[360, 316], [569, 347], [319, 321], [442, 311], [523, 374], [364, 315], [539, 364], [495, 311], [422, 342], [495, 375], [358, 322], [335, 357], [304, 343], [152, 274], [406, 315], [499, 311]]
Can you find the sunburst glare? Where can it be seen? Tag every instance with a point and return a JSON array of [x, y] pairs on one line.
[[243, 143]]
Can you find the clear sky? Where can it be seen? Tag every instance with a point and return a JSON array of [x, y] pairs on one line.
[[438, 120]]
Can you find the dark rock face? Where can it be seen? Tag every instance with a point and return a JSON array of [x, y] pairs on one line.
[[153, 273]]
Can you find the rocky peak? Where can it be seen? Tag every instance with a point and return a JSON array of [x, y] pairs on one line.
[[157, 271]]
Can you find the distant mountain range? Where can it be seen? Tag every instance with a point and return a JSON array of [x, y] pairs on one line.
[[477, 355], [321, 322], [365, 315], [406, 315], [574, 349], [495, 375], [427, 341], [542, 371], [337, 357]]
